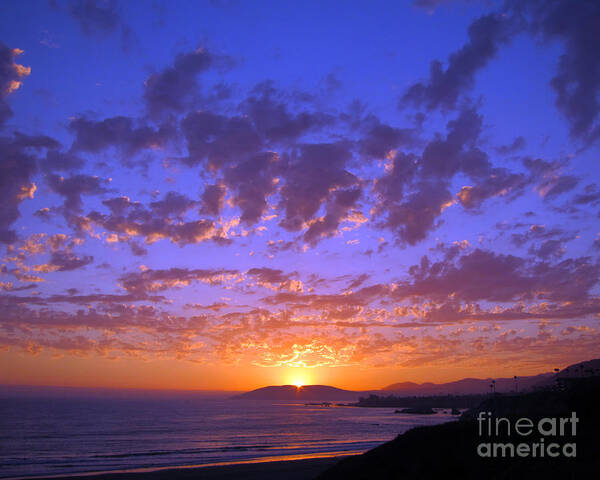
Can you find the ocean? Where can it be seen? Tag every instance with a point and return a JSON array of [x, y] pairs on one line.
[[54, 434]]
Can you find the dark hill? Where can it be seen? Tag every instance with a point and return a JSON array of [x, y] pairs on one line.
[[449, 450], [473, 386], [306, 392], [581, 369], [468, 386]]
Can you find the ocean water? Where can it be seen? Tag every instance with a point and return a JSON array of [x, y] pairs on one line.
[[65, 434]]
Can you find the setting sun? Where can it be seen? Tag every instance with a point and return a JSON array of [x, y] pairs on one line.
[[298, 377], [299, 381]]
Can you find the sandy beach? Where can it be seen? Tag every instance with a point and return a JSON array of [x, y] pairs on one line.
[[300, 469]]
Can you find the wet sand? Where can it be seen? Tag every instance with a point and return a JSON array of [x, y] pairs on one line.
[[301, 469]]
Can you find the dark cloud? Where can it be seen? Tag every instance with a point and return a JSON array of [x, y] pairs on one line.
[[212, 199], [118, 132], [500, 182], [546, 243], [219, 140], [143, 223], [44, 214], [453, 311], [231, 147], [403, 170], [458, 152], [251, 182], [60, 247], [118, 205], [216, 306], [159, 280], [577, 80], [72, 188], [270, 113], [358, 281], [137, 249], [380, 139], [336, 210], [551, 182], [280, 245], [11, 75], [558, 186], [540, 232], [57, 161], [162, 220], [415, 190], [517, 144], [418, 213], [85, 299], [311, 177], [548, 249], [269, 275], [194, 232], [9, 287], [39, 243], [429, 5], [332, 83], [98, 18], [358, 298], [485, 275], [445, 86], [65, 261], [95, 16], [171, 89], [561, 185], [173, 203], [589, 196], [18, 164]]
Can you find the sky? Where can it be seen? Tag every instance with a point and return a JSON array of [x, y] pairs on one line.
[[229, 194]]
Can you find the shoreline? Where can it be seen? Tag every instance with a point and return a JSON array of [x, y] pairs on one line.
[[301, 466]]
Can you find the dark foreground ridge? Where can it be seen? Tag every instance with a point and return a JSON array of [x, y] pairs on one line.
[[450, 450]]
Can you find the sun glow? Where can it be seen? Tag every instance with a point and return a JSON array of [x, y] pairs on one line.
[[298, 377], [298, 381]]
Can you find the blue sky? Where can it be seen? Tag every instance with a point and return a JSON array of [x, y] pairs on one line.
[[408, 187]]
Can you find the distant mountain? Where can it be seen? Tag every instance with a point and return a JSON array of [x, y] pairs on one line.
[[306, 392], [397, 387], [467, 386]]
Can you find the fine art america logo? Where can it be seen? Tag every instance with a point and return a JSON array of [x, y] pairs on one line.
[[546, 437]]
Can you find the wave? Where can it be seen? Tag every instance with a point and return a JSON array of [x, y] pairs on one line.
[[38, 442], [320, 445]]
